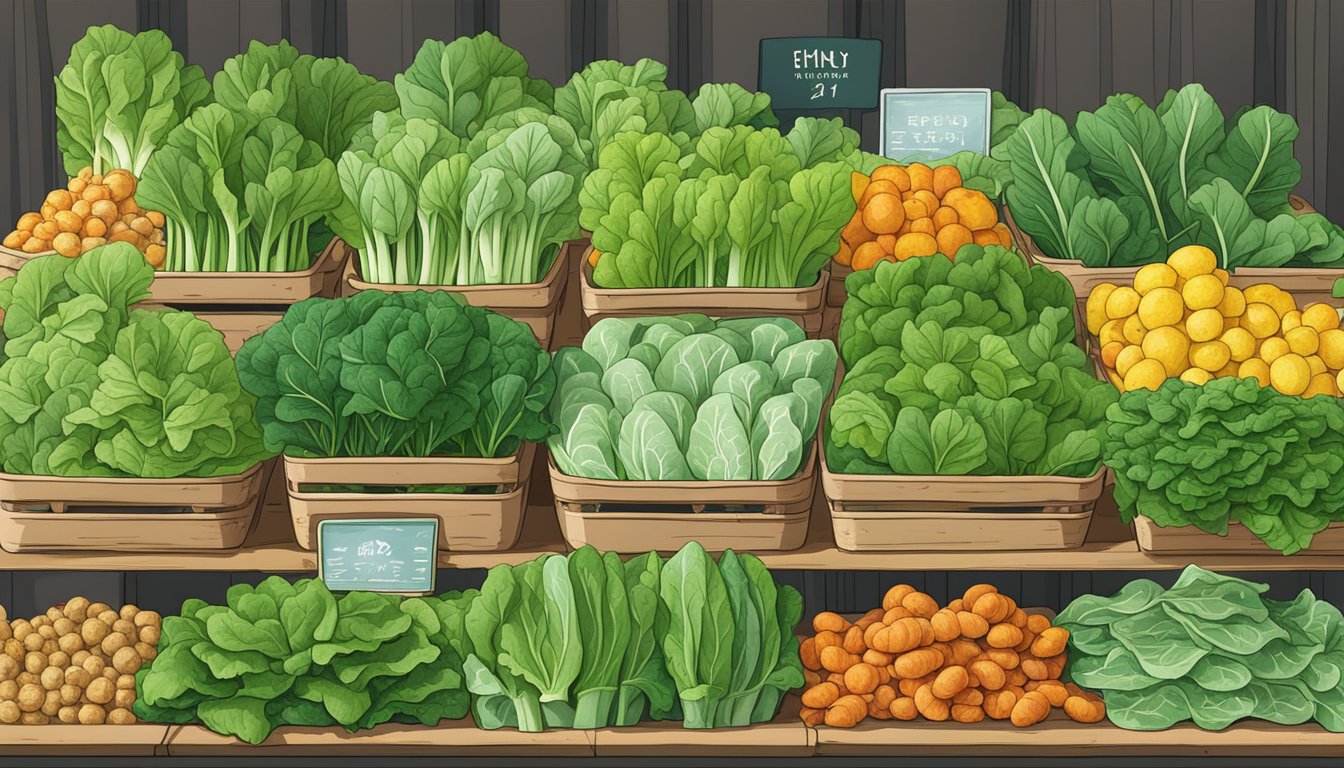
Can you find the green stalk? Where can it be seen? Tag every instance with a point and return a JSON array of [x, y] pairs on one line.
[[593, 708], [630, 706], [698, 713]]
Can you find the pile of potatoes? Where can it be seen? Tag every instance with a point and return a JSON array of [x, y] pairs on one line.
[[75, 664], [980, 656], [915, 210], [92, 210]]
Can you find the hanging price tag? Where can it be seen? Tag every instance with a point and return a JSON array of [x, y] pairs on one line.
[[807, 73]]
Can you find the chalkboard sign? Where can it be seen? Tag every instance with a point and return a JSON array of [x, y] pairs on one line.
[[388, 555], [931, 123], [805, 73]]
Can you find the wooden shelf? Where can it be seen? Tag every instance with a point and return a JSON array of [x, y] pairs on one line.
[[270, 548], [140, 740], [1061, 737], [450, 738]]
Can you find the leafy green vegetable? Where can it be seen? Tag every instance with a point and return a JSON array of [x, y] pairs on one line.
[[93, 388], [463, 84], [963, 368], [432, 209], [741, 207], [118, 96], [293, 654], [1211, 649], [686, 397], [1228, 451], [398, 374], [1129, 184]]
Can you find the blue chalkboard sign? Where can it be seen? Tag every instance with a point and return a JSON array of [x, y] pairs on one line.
[[806, 73], [920, 124], [387, 555]]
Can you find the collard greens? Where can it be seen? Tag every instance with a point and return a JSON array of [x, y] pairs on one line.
[[1211, 649], [1229, 450], [964, 368]]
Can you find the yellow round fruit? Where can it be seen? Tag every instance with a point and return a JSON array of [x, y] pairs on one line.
[[1303, 340], [1204, 325], [1196, 376], [1127, 358], [1152, 276], [1261, 320], [1133, 330], [1096, 307], [1161, 306], [1193, 260], [1322, 317], [1332, 348], [1113, 330], [1316, 364], [1290, 320], [1290, 374], [1211, 356], [1339, 381], [1240, 342], [1273, 348], [1109, 353], [1254, 368], [1146, 374], [1233, 303], [1321, 384], [1261, 292], [1169, 346], [1223, 275], [1202, 292], [1122, 303], [1228, 370]]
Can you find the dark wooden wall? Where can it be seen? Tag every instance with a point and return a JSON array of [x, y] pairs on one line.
[[1066, 55]]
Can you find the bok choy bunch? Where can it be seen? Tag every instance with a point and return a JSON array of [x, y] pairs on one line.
[[435, 209]]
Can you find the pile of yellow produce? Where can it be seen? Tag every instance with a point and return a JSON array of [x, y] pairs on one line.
[[75, 664], [981, 656], [92, 210], [916, 210], [1182, 319]]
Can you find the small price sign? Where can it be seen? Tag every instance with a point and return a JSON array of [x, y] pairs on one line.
[[807, 73], [921, 124], [382, 555]]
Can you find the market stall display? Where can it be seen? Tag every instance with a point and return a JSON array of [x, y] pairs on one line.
[[957, 370], [980, 656], [688, 411], [75, 664], [413, 403], [93, 209]]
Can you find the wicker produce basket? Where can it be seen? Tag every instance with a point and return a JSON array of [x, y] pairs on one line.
[[1189, 540], [632, 516], [914, 513], [40, 513], [468, 522], [804, 305], [537, 304]]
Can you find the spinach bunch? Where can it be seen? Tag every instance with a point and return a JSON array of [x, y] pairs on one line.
[[1129, 183], [964, 368], [586, 641], [1211, 649], [1229, 450], [689, 398], [739, 206], [398, 374], [295, 654], [92, 388]]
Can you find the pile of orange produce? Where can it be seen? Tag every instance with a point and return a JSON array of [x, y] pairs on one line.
[[916, 210], [979, 656], [92, 210]]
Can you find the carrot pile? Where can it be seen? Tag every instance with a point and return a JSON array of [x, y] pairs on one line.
[[92, 210], [916, 210], [980, 656]]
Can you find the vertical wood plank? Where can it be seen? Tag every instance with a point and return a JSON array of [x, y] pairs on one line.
[[1222, 39], [213, 33], [375, 42], [638, 29], [540, 30], [739, 25], [931, 25]]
